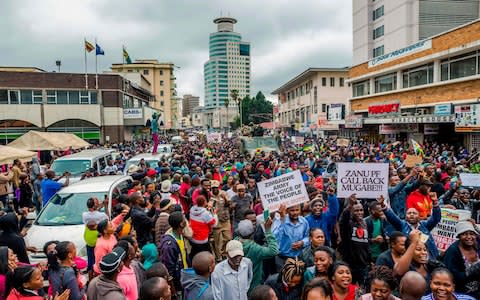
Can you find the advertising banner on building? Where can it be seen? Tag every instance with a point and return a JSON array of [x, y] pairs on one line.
[[353, 121], [445, 233], [467, 118], [335, 112], [431, 129], [443, 109], [417, 47], [287, 189], [366, 180], [384, 109], [132, 113]]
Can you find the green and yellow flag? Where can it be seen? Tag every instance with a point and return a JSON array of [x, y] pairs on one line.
[[126, 56]]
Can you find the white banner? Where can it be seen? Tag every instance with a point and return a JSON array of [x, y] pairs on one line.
[[366, 180], [287, 189], [470, 179], [214, 137], [445, 233]]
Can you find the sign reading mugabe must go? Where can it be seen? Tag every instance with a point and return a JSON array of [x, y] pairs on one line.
[[287, 189], [366, 180]]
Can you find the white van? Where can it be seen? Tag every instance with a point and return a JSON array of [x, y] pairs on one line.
[[149, 158], [80, 162], [61, 218]]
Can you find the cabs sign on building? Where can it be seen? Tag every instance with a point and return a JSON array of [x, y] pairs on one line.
[[132, 113]]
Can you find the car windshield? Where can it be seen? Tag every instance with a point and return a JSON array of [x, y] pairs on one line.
[[75, 167], [164, 149], [66, 209], [151, 163]]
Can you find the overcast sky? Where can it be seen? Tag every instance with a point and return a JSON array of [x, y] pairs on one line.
[[286, 36]]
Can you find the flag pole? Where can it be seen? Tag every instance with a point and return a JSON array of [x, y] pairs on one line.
[[85, 50], [96, 66]]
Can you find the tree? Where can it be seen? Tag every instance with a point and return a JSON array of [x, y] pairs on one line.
[[256, 110]]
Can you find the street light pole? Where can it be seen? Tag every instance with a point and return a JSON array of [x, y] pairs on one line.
[[241, 119]]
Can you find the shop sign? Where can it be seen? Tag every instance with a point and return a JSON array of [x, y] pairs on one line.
[[323, 123], [424, 119], [353, 121], [397, 128], [417, 47], [132, 113], [431, 129], [467, 118], [384, 109], [443, 109], [335, 112]]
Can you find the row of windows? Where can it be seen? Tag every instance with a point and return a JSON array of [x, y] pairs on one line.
[[378, 51], [52, 97], [341, 81], [451, 68]]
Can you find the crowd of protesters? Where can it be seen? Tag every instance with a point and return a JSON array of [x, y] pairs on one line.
[[193, 227]]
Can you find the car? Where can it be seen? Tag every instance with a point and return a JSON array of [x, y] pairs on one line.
[[149, 158], [80, 162], [61, 218]]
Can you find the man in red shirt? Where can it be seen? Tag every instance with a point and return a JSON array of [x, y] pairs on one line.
[[421, 200]]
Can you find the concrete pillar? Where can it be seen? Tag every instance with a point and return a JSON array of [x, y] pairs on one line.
[[436, 71]]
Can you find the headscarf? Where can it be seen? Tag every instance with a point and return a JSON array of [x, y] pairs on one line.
[[150, 255]]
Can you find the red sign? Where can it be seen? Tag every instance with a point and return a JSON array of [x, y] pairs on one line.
[[384, 109]]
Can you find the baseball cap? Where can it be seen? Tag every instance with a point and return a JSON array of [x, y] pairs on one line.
[[234, 248], [112, 260], [245, 228]]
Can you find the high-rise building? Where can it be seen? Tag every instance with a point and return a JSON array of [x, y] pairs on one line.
[[161, 82], [189, 103], [383, 26], [228, 67]]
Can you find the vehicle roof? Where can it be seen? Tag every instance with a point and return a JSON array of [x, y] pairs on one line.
[[147, 156], [93, 184], [87, 154]]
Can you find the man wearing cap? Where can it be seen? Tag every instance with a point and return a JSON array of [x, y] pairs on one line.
[[255, 252], [241, 202], [324, 220], [222, 232], [421, 199], [105, 286], [232, 277], [462, 259]]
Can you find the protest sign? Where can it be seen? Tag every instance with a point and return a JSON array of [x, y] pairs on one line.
[[412, 160], [287, 189], [298, 140], [470, 179], [343, 142], [445, 234], [367, 180], [214, 137], [192, 138]]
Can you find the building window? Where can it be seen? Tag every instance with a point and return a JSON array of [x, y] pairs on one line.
[[342, 81], [62, 97], [378, 32], [161, 72], [386, 83], [324, 107], [74, 97], [161, 93], [145, 72], [161, 103], [378, 13], [37, 97], [51, 97], [378, 51], [460, 66], [332, 81], [3, 96], [84, 97], [324, 81], [361, 88], [26, 97], [161, 82], [14, 97], [418, 76]]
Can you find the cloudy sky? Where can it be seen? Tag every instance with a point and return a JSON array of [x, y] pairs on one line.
[[286, 36]]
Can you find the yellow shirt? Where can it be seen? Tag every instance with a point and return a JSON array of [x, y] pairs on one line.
[[181, 244]]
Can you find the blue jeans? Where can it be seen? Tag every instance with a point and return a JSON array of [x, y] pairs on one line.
[[90, 257]]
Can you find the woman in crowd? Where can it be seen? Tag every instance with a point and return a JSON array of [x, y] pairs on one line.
[[8, 263], [26, 282], [443, 287], [341, 277], [63, 273], [127, 279], [288, 283], [317, 239], [150, 255], [262, 292], [105, 242], [382, 284], [462, 259], [323, 260], [317, 289]]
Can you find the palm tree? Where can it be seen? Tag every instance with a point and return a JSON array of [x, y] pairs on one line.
[[236, 99], [226, 102]]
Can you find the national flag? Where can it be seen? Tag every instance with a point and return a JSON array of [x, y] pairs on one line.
[[88, 46], [126, 56], [417, 148], [99, 50], [308, 148]]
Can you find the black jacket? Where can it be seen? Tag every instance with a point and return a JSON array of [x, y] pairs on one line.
[[280, 290], [143, 225]]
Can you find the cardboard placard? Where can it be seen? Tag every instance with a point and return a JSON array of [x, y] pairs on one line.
[[343, 142], [413, 160], [470, 179], [288, 189], [366, 180], [445, 233]]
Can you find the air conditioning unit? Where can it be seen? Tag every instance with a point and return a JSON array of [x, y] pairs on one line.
[[421, 111]]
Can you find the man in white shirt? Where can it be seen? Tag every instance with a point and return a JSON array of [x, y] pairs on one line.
[[232, 277]]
